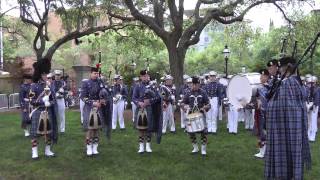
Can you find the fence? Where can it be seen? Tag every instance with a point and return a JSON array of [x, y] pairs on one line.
[[14, 100], [3, 101]]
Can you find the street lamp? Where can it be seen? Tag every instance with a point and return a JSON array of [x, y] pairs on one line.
[[226, 53], [147, 64], [133, 66]]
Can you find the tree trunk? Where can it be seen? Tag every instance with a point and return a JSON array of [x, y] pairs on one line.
[[176, 61]]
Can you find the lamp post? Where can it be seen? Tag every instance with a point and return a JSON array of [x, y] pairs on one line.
[[133, 67], [226, 53], [147, 64]]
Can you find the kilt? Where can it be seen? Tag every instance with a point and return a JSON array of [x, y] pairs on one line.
[[154, 119], [86, 113], [149, 118], [35, 121], [260, 124], [287, 150], [25, 119]]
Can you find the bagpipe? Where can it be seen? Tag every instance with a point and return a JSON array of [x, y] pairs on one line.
[[44, 125], [166, 95], [310, 49], [95, 121]]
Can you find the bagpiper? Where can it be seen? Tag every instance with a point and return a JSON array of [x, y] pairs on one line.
[[313, 98], [272, 67], [196, 103], [120, 93], [148, 113], [42, 115], [287, 145], [25, 100], [260, 112], [214, 91], [92, 120], [59, 87], [167, 92], [133, 105]]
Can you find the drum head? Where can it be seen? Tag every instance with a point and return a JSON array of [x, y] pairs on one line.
[[239, 91]]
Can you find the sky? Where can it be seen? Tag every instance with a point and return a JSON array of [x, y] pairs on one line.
[[259, 16]]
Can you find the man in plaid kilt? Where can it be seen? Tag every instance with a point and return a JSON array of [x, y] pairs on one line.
[[42, 116], [25, 105], [92, 116], [287, 146], [260, 112], [148, 115]]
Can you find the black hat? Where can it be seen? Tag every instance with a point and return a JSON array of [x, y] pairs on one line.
[[264, 72], [27, 76], [272, 62], [143, 72], [94, 69], [286, 60], [195, 80], [42, 66]]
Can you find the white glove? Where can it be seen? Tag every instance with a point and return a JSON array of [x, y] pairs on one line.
[[114, 99], [57, 94], [45, 98], [47, 103], [61, 90], [314, 108]]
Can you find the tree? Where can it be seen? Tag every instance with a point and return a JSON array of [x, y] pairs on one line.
[[134, 44], [77, 18], [18, 39], [177, 33]]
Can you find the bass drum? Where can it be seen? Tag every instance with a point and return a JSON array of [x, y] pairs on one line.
[[242, 88]]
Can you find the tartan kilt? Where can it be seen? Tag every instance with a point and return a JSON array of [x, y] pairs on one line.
[[86, 113], [35, 121], [25, 120], [149, 118], [287, 148]]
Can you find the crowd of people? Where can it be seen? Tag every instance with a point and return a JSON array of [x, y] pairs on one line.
[[284, 121]]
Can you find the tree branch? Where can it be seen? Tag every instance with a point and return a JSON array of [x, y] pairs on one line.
[[284, 14], [2, 14], [77, 34], [123, 18], [158, 12], [24, 19], [147, 20], [37, 12]]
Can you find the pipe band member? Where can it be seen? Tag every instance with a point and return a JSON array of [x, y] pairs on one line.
[[148, 113], [42, 117], [194, 102], [92, 119]]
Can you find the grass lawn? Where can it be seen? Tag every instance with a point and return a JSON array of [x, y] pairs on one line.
[[229, 157]]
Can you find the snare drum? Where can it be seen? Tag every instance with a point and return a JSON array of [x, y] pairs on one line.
[[195, 122]]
